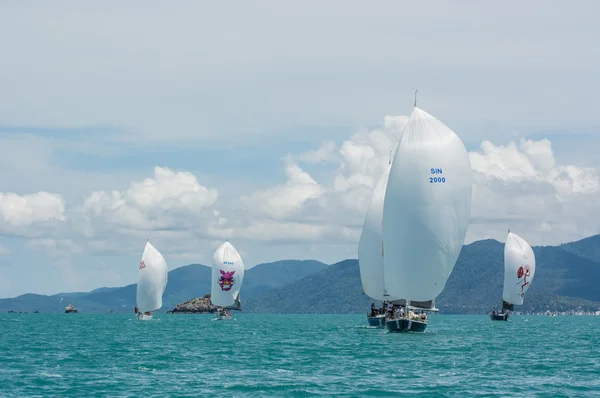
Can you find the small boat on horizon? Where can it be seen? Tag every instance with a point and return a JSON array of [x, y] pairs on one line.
[[69, 309], [227, 278], [152, 282], [519, 268]]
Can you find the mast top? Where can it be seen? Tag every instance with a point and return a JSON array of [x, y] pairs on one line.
[[416, 98]]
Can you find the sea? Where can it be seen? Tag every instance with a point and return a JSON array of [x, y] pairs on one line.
[[255, 355]]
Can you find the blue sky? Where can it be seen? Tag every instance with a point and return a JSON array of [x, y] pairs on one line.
[[267, 120]]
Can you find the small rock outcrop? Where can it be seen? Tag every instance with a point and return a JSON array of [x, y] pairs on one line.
[[195, 306]]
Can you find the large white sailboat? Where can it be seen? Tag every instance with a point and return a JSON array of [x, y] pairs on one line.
[[227, 278], [426, 212], [152, 282], [519, 269]]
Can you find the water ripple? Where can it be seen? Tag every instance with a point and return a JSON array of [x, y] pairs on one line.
[[295, 355]]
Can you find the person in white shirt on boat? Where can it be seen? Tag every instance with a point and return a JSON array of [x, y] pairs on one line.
[[401, 312], [390, 310]]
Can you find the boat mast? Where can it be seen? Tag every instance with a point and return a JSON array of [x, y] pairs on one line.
[[416, 98]]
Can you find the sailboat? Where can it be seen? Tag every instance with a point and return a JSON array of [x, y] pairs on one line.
[[227, 278], [426, 213], [519, 269], [370, 252], [152, 282]]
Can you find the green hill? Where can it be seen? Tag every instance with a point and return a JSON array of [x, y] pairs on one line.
[[184, 283], [564, 280]]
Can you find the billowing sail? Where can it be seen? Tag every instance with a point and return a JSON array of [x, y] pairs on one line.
[[152, 280], [519, 268], [370, 245], [426, 208], [227, 275], [237, 304]]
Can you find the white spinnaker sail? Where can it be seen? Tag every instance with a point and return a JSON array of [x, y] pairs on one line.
[[152, 280], [426, 209], [227, 275], [519, 268], [370, 245]]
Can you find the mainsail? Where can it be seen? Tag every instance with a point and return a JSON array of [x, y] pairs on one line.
[[519, 268], [426, 208], [152, 280], [227, 275], [370, 245]]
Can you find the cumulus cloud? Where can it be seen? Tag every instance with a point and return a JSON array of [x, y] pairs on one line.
[[28, 214], [165, 201], [305, 210], [283, 200], [326, 153], [319, 205], [27, 209], [518, 185], [521, 184]]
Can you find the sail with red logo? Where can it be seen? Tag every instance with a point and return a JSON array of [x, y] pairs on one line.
[[152, 282], [519, 269]]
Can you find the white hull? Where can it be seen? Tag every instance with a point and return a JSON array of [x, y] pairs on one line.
[[143, 317], [223, 317]]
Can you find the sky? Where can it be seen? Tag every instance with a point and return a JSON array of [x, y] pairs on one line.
[[269, 122]]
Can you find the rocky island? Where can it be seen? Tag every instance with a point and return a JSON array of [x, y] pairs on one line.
[[195, 306]]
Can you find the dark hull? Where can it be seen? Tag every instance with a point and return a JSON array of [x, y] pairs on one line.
[[377, 322], [503, 317], [404, 325]]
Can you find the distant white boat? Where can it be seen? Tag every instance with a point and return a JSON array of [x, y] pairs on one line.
[[227, 279], [519, 269], [426, 212], [152, 282]]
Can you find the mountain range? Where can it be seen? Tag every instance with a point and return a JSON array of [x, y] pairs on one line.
[[566, 278]]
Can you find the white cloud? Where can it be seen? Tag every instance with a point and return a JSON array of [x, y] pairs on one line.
[[518, 185], [165, 201], [283, 200], [521, 186], [319, 214], [326, 153], [29, 214]]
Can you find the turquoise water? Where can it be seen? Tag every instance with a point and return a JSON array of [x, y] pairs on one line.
[[295, 355]]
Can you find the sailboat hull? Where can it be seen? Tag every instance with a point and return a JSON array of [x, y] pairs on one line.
[[405, 325], [377, 321], [499, 317], [223, 317], [143, 317]]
